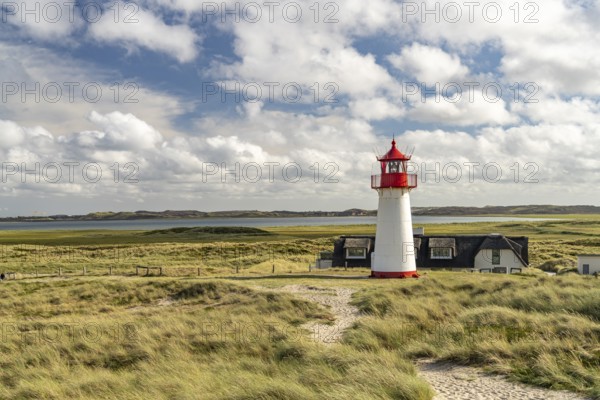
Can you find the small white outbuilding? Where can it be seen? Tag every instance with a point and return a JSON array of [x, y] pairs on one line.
[[588, 264]]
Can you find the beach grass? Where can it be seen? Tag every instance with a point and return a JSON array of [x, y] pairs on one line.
[[536, 329], [216, 325], [186, 339]]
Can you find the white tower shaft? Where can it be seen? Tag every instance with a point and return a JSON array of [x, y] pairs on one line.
[[394, 242]]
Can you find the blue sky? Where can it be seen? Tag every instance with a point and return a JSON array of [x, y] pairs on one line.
[[334, 89]]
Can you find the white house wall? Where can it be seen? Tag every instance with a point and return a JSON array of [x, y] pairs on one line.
[[508, 259], [593, 261]]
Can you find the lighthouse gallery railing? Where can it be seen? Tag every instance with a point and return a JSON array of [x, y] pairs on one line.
[[398, 180]]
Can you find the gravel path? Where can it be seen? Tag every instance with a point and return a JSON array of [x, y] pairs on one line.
[[453, 382]]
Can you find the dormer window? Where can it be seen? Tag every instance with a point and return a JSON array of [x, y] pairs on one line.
[[357, 248], [441, 253], [356, 253], [442, 248]]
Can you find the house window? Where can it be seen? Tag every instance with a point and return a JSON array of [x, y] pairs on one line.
[[356, 252], [441, 253], [495, 256]]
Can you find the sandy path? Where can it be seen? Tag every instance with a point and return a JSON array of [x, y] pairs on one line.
[[456, 382], [336, 300], [450, 382]]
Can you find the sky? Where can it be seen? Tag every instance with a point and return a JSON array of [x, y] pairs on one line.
[[284, 105]]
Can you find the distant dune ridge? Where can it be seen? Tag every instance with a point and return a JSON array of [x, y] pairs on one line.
[[353, 212]]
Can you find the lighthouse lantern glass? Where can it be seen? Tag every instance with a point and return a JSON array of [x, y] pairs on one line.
[[394, 167]]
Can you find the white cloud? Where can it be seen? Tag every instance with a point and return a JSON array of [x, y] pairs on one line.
[[126, 131], [375, 109], [280, 132], [479, 111], [351, 17], [336, 147], [27, 65], [309, 52], [554, 110], [146, 30], [429, 64], [11, 134], [44, 20], [538, 164], [556, 47]]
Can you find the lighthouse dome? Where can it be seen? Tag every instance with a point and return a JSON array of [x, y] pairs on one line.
[[394, 154]]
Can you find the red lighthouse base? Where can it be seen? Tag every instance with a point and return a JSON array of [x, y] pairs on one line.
[[400, 275]]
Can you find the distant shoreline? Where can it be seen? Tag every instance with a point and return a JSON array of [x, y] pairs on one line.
[[355, 212], [164, 223]]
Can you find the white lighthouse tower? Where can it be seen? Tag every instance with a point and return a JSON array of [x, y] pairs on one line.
[[394, 255]]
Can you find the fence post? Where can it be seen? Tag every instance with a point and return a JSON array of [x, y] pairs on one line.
[[273, 271], [198, 271], [160, 271], [110, 270], [83, 271]]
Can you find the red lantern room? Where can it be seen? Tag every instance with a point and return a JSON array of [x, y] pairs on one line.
[[394, 171]]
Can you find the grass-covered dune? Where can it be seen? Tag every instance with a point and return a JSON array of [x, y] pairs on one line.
[[537, 329], [180, 339], [164, 338]]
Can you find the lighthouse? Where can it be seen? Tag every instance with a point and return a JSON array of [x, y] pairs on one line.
[[394, 255]]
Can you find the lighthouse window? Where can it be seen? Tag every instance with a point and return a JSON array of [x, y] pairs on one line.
[[356, 252], [441, 253], [394, 167]]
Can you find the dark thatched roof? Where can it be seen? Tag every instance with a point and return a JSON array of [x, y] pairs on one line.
[[495, 243], [445, 242], [364, 243]]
